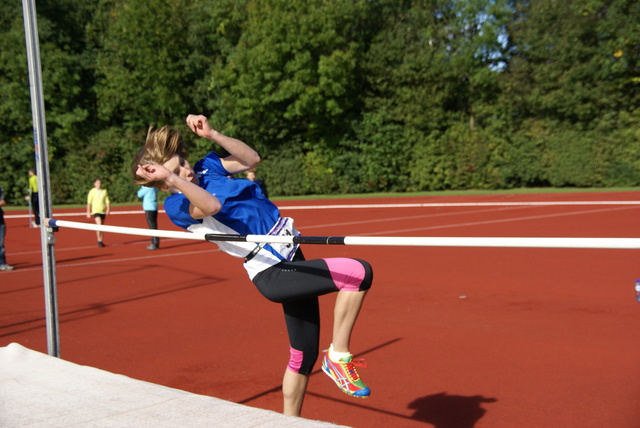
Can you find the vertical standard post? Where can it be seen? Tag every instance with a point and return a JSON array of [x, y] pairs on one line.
[[44, 190]]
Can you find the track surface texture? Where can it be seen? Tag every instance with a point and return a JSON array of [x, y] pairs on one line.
[[454, 337]]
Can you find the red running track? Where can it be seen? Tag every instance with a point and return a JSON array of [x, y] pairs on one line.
[[454, 337]]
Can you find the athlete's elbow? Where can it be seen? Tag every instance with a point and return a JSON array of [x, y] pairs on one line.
[[212, 208], [254, 161], [205, 210]]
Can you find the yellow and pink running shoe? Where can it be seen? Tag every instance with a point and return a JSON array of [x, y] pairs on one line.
[[344, 374]]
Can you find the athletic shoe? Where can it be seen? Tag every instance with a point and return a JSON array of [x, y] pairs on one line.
[[152, 247], [100, 244], [6, 267], [344, 374]]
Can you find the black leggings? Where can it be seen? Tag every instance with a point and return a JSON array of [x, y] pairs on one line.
[[297, 285], [152, 221], [35, 206]]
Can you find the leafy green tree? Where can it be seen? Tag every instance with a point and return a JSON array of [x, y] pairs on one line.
[[154, 56], [16, 138], [141, 64], [151, 68], [337, 95], [572, 70], [291, 85], [67, 86], [432, 70]]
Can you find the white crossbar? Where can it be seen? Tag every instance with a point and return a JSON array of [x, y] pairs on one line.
[[512, 242]]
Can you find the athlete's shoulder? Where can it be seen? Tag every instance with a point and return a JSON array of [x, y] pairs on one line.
[[177, 208], [173, 200], [210, 164]]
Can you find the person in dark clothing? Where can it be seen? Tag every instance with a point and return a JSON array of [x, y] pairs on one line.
[[3, 260], [251, 175]]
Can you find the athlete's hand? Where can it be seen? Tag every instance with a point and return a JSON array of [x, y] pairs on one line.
[[200, 125], [153, 172]]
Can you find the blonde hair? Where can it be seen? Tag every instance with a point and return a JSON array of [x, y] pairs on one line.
[[161, 144]]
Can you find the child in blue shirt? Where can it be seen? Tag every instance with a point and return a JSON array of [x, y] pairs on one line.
[[205, 199]]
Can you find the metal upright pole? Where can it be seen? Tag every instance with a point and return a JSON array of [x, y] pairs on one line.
[[44, 190]]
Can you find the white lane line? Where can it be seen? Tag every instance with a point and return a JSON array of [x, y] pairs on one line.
[[368, 206], [459, 204], [413, 217], [477, 223]]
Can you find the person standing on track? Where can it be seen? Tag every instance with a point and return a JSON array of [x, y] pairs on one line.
[[3, 230], [98, 206], [33, 197], [205, 199], [149, 196]]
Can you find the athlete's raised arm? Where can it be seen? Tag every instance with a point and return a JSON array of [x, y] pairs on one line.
[[241, 157]]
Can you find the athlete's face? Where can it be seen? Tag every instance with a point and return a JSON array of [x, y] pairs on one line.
[[181, 168]]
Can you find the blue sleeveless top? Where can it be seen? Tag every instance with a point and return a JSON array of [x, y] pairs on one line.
[[245, 210]]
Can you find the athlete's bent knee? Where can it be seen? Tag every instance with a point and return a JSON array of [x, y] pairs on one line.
[[301, 362], [350, 274], [368, 276]]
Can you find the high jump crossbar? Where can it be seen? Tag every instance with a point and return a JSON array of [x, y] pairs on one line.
[[508, 242]]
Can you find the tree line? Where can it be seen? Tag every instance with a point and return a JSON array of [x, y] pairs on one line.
[[338, 96]]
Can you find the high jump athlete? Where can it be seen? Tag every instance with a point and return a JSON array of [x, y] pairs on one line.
[[205, 199]]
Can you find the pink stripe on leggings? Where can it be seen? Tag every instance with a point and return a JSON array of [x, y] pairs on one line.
[[295, 360], [346, 273]]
